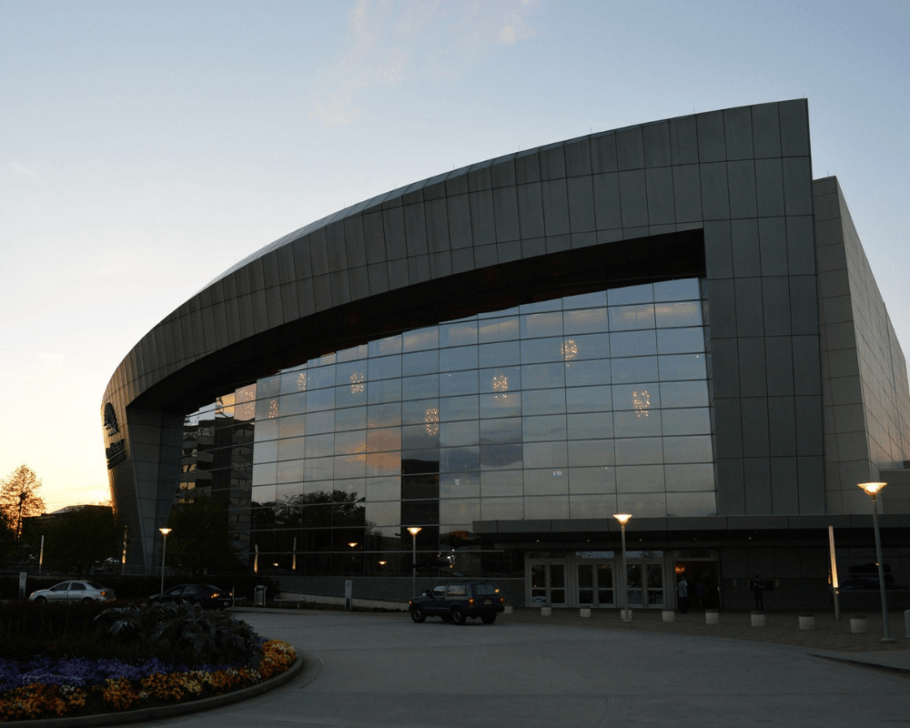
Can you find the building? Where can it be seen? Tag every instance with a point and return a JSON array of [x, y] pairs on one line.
[[671, 320]]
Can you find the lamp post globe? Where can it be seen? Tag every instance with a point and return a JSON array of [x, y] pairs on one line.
[[164, 533], [414, 530], [623, 519], [872, 490]]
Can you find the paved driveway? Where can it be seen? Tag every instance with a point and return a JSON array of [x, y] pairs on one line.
[[380, 670]]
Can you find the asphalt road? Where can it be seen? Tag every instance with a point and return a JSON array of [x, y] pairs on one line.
[[383, 671]]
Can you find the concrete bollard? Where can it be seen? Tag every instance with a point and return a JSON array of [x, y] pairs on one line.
[[806, 621], [758, 619], [546, 611], [508, 609], [584, 612], [907, 623], [858, 624], [712, 616], [625, 615], [668, 615]]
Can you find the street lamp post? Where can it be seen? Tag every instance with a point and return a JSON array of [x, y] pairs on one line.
[[623, 519], [353, 545], [414, 530], [872, 490], [164, 533]]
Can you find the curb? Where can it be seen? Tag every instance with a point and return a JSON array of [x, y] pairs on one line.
[[310, 666]]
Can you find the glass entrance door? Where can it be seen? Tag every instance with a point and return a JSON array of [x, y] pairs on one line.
[[646, 584], [595, 585], [548, 583]]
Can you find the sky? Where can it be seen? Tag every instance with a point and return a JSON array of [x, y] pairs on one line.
[[147, 147]]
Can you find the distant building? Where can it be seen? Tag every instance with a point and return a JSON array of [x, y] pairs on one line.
[[671, 320]]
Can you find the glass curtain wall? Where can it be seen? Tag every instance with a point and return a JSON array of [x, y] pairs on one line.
[[577, 407]]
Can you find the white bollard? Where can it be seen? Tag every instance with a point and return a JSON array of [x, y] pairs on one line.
[[907, 623], [584, 612], [758, 619], [858, 624], [508, 609], [546, 611], [712, 616], [668, 615], [626, 615], [806, 621]]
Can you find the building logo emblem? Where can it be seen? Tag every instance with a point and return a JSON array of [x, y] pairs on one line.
[[110, 419]]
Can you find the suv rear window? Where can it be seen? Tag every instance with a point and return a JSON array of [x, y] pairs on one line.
[[484, 590], [456, 590]]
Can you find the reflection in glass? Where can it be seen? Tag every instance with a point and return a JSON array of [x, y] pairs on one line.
[[578, 407]]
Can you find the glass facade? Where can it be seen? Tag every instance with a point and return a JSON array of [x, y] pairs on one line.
[[576, 407]]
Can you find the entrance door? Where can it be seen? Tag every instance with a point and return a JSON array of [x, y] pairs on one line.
[[595, 585], [548, 583], [701, 577], [646, 584]]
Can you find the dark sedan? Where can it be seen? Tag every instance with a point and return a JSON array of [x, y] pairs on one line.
[[206, 596]]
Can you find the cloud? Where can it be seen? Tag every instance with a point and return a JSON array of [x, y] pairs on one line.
[[24, 171], [391, 43]]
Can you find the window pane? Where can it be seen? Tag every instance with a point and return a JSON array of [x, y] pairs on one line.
[[589, 399], [692, 449], [693, 477], [684, 394], [541, 324], [597, 425], [587, 373], [639, 451], [679, 341], [463, 357], [634, 343], [498, 431], [637, 423], [500, 457], [544, 427], [459, 333], [546, 482], [422, 387], [585, 321], [420, 340], [497, 355], [637, 369], [687, 421], [631, 294], [682, 366], [459, 383], [640, 397], [629, 318], [499, 329], [671, 315], [540, 376], [681, 290]]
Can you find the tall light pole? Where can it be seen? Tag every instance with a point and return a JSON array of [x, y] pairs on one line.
[[623, 519], [353, 545], [414, 530], [872, 490], [164, 533]]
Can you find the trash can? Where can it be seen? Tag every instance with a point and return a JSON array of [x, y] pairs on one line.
[[259, 596]]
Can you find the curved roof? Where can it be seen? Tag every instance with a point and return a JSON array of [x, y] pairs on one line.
[[584, 194]]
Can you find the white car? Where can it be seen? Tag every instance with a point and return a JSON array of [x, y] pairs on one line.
[[73, 591]]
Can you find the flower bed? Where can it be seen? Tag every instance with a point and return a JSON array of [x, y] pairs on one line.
[[48, 688]]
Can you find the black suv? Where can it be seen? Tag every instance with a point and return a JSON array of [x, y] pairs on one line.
[[456, 602]]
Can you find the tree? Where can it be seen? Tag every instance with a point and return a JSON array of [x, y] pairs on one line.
[[76, 539], [19, 497], [200, 539]]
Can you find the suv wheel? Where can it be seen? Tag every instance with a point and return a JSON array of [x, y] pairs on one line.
[[458, 616], [488, 618], [417, 615]]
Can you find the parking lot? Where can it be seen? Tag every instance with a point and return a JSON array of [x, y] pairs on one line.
[[383, 670]]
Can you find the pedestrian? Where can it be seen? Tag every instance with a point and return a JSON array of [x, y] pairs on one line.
[[758, 588], [682, 594]]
